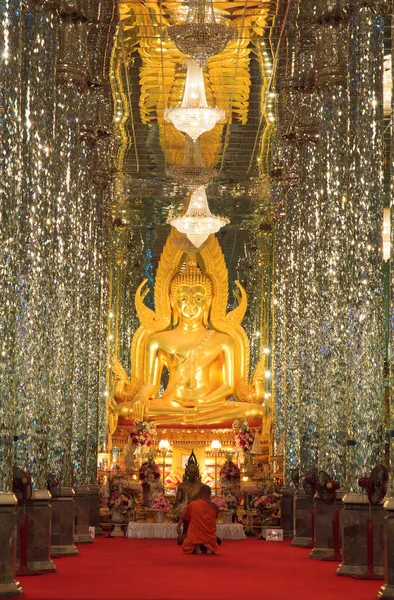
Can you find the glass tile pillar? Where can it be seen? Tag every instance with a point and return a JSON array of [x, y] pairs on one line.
[[10, 168], [71, 82], [36, 299], [307, 131], [364, 260], [333, 250]]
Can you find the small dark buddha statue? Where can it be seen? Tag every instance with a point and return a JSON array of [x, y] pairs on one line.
[[189, 489]]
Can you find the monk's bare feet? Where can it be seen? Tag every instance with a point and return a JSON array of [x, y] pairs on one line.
[[198, 550], [209, 551]]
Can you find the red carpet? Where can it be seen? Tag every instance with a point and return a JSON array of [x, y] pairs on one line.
[[122, 569]]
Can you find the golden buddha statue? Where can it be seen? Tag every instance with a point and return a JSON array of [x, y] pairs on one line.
[[204, 349], [189, 489]]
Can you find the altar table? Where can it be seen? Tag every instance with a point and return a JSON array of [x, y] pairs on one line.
[[233, 531]]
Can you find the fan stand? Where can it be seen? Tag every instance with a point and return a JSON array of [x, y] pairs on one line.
[[24, 570], [336, 555], [370, 572], [310, 481], [313, 517]]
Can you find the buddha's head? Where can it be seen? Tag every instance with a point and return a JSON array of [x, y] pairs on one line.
[[192, 472], [191, 295]]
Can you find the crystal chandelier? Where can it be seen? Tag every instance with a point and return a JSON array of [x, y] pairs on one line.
[[201, 36], [198, 222], [191, 172], [194, 117]]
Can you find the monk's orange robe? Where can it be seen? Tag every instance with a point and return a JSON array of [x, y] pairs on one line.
[[202, 526]]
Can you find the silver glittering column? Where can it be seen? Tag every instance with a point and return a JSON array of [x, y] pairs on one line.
[[307, 131], [292, 306], [101, 177], [36, 298], [285, 171], [82, 330], [365, 209], [278, 318], [35, 278], [10, 110], [387, 589], [10, 77], [333, 253], [284, 174], [71, 80], [290, 248]]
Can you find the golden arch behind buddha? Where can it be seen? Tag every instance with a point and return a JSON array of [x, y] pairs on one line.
[[204, 348]]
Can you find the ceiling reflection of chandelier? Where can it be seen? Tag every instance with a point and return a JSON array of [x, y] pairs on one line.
[[194, 116], [191, 172], [201, 36], [198, 222]]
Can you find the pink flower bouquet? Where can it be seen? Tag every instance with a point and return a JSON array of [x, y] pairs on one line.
[[160, 502], [149, 472], [122, 493], [231, 500], [244, 437], [220, 503], [141, 433], [230, 471], [270, 503]]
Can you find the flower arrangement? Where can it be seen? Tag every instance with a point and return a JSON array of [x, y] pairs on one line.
[[141, 434], [122, 494], [149, 472], [159, 502], [230, 500], [220, 503], [250, 489], [230, 472], [244, 437], [270, 502]]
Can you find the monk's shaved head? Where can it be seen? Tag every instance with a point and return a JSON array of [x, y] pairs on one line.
[[205, 492]]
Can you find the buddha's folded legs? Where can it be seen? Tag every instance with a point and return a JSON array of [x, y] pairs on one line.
[[166, 413]]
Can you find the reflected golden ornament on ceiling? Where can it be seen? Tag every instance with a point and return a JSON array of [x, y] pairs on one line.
[[201, 36], [161, 77]]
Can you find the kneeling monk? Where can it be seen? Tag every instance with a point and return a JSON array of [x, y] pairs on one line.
[[201, 533]]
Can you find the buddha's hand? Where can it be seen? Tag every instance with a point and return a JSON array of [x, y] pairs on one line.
[[141, 402]]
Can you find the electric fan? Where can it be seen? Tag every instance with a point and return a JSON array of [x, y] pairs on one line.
[[327, 488], [375, 487], [295, 477], [54, 486], [22, 488], [309, 484]]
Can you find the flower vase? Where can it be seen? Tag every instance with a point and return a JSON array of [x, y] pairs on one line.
[[248, 501], [117, 520], [228, 517], [159, 516], [146, 496], [266, 522], [132, 515]]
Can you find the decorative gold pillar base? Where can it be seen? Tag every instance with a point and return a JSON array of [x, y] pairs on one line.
[[39, 513], [9, 588], [94, 509], [82, 515], [63, 509], [303, 504], [354, 536], [386, 592]]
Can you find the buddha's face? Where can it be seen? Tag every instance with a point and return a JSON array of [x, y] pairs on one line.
[[192, 473], [192, 302]]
